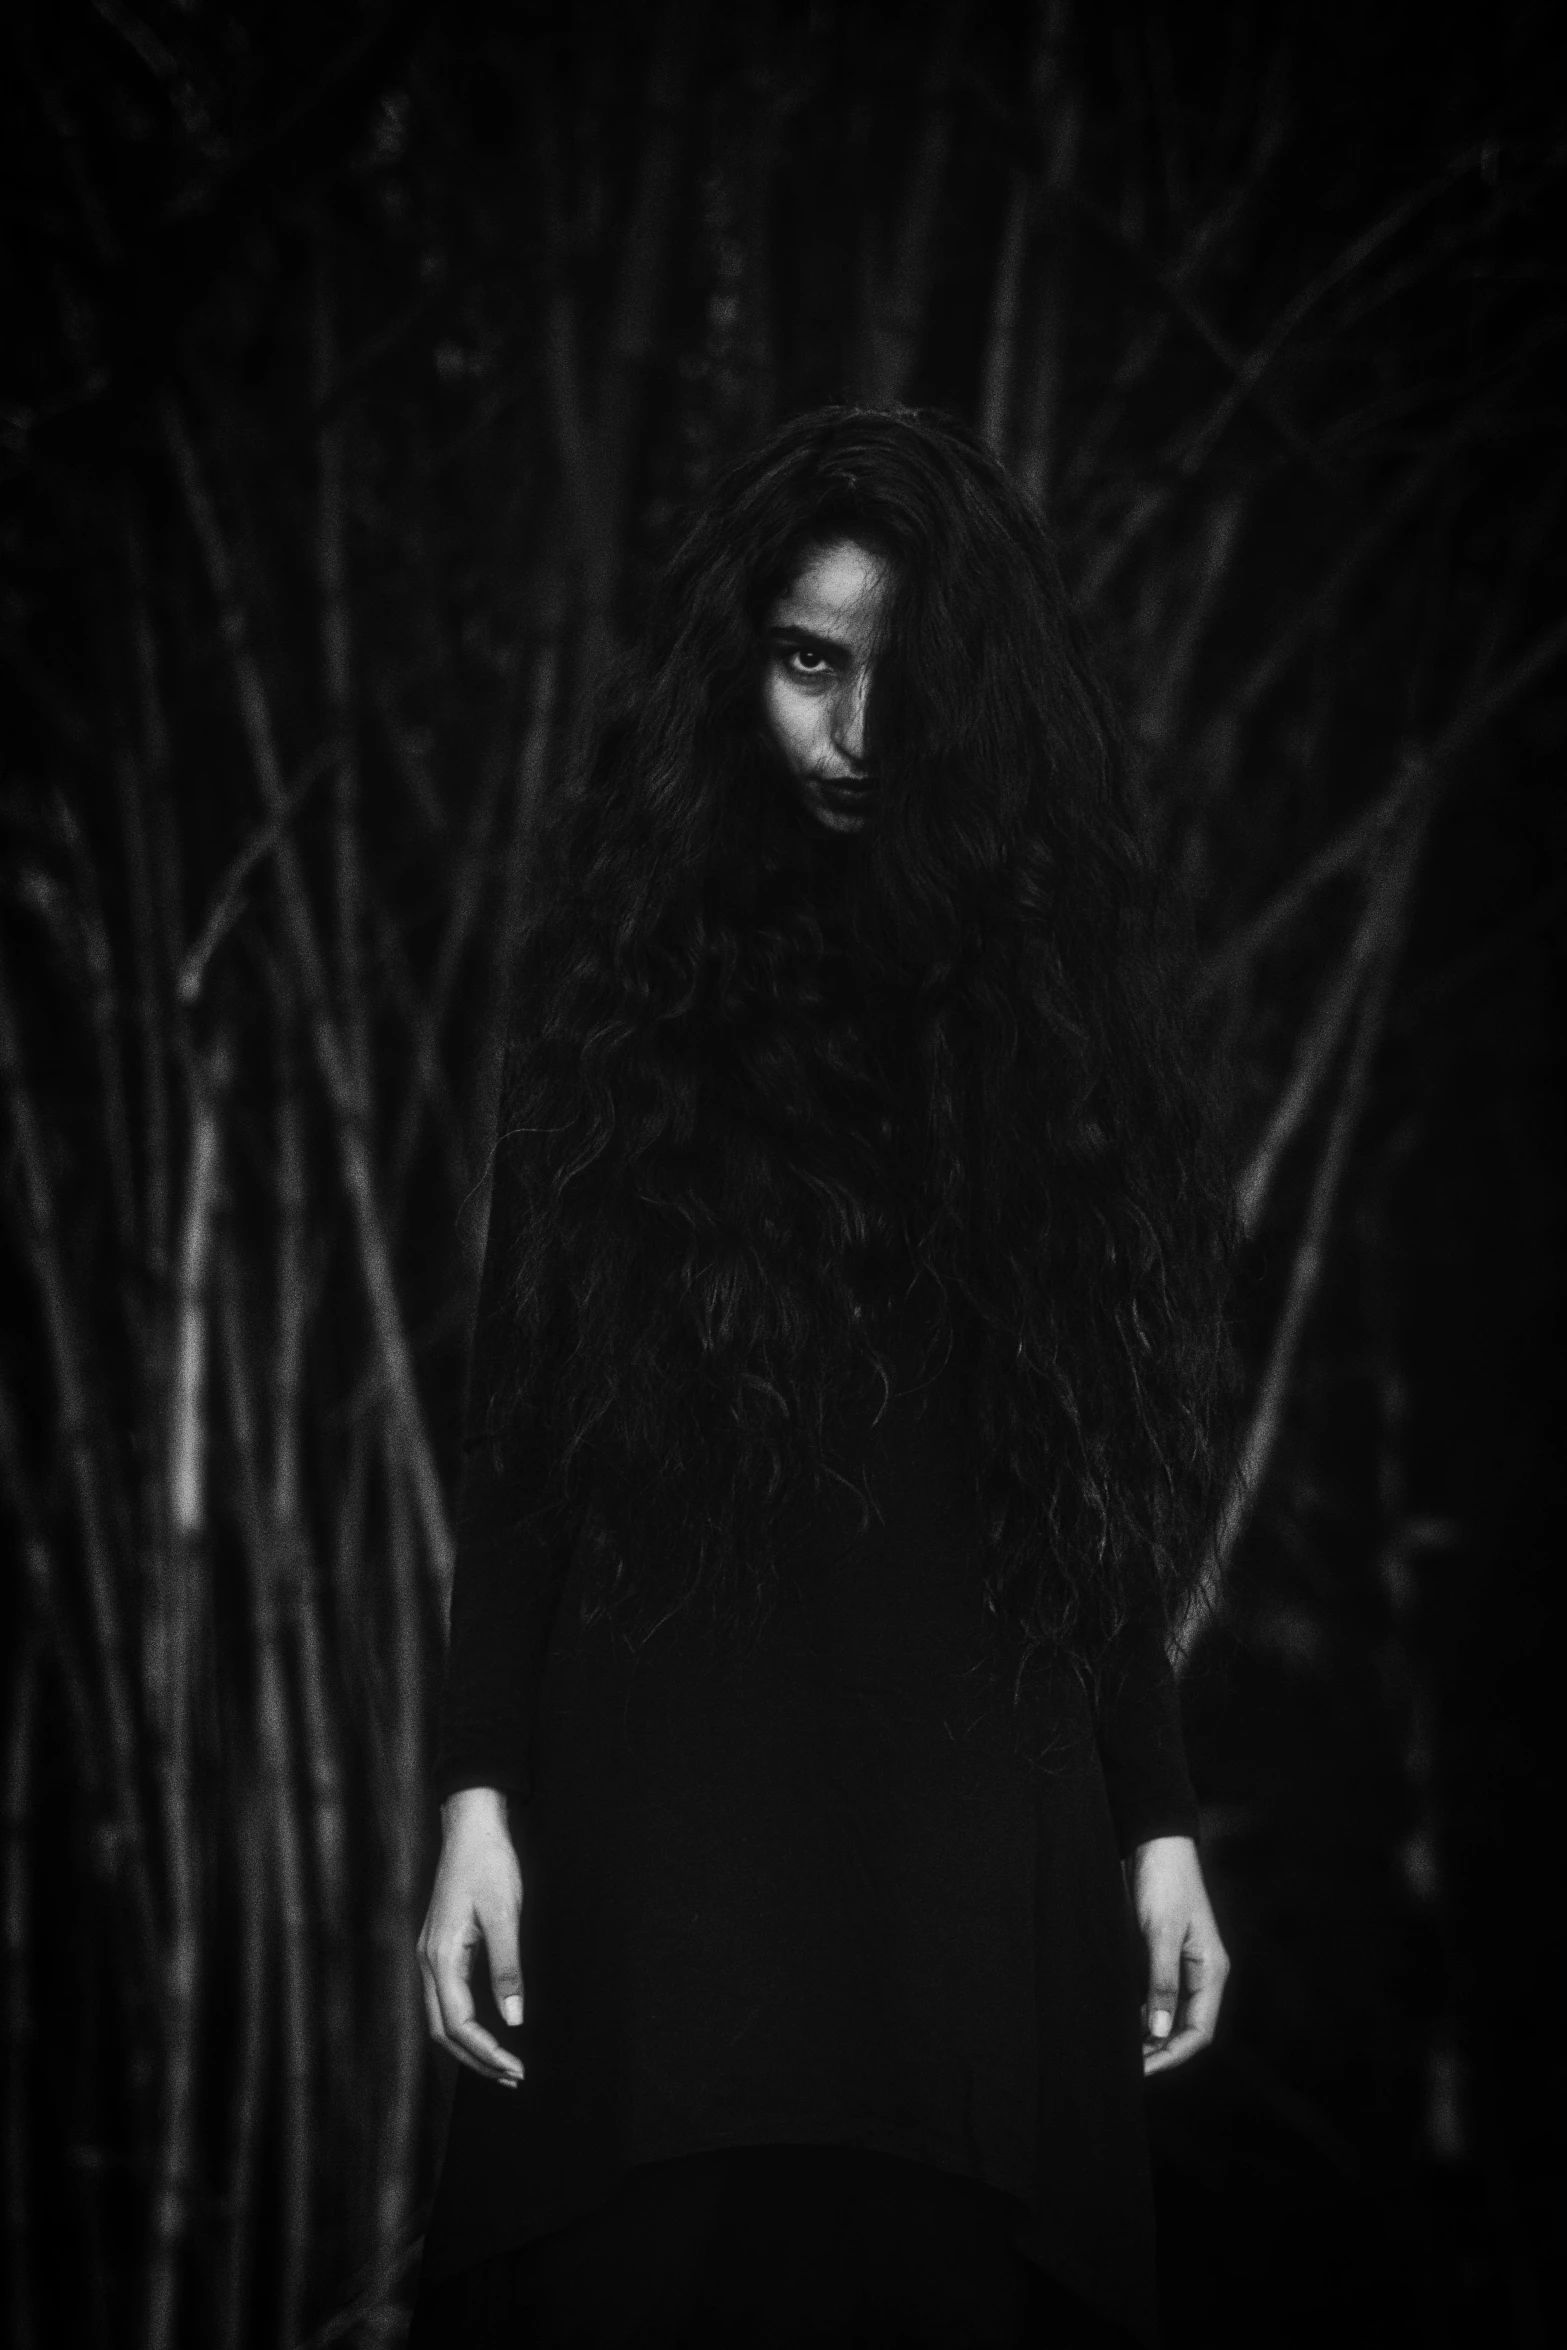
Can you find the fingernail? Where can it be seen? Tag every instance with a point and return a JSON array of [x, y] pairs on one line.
[[511, 2009], [1159, 2025]]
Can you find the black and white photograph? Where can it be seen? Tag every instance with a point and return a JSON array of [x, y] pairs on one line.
[[782, 1175]]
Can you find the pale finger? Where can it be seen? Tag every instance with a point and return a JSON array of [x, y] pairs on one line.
[[464, 2034], [1200, 2008], [1163, 2056], [484, 2050], [499, 1928]]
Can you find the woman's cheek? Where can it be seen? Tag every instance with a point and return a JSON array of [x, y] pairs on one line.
[[793, 725]]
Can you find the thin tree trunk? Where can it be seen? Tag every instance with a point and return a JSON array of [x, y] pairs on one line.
[[21, 2308], [1320, 1041], [532, 766], [275, 1748], [1039, 433], [347, 1126], [290, 1534], [896, 322], [1267, 1414], [52, 1619], [338, 672], [256, 1914], [402, 1798], [187, 1450], [75, 1428], [1006, 301]]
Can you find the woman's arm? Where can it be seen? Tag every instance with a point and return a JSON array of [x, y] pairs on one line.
[[1141, 1749], [512, 1554], [1187, 1961], [1143, 1756]]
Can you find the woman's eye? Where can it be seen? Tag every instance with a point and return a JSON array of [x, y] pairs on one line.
[[806, 663]]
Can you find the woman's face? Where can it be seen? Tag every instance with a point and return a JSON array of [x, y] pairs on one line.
[[818, 642]]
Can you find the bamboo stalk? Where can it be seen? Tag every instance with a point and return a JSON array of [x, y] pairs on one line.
[[187, 1449], [1424, 773], [485, 1092], [896, 318], [150, 984], [430, 1088], [1320, 1040], [1267, 1416], [103, 1010], [470, 881], [407, 763], [228, 901], [576, 448], [1337, 856], [50, 1616], [239, 2197], [1252, 368], [89, 2267], [289, 1530], [629, 344], [128, 1853], [1006, 300], [1036, 454], [1167, 687], [154, 757], [398, 1922], [347, 1125], [1206, 241], [21, 2308], [275, 1747], [338, 674], [152, 957]]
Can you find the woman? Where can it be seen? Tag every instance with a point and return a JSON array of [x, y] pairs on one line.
[[842, 1418]]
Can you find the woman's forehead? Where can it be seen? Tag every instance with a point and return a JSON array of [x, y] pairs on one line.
[[837, 592]]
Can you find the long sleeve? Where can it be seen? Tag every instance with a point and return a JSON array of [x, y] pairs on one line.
[[512, 1554], [1141, 1750]]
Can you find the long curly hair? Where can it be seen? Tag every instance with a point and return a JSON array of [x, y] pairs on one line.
[[752, 1055]]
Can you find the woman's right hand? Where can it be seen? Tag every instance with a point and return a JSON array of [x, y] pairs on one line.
[[477, 1895]]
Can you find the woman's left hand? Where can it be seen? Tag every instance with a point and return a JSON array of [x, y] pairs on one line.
[[1187, 1962]]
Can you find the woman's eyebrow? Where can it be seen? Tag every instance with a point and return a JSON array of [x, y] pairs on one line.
[[789, 632]]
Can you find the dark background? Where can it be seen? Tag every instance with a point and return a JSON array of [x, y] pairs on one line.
[[358, 362]]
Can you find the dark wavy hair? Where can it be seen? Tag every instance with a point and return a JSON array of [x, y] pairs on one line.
[[751, 1054]]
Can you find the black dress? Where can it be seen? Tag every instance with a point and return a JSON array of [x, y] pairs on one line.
[[844, 1888]]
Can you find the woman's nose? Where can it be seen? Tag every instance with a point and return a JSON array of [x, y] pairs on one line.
[[848, 727]]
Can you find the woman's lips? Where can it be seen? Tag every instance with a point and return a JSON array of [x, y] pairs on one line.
[[847, 792]]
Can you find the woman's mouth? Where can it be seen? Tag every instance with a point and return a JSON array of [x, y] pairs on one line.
[[850, 795]]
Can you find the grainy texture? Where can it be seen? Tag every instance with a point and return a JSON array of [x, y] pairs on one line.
[[356, 368]]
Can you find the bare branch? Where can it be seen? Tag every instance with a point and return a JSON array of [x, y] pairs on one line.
[[347, 1126], [20, 2221], [1036, 457], [397, 1921], [129, 1852], [1339, 855], [187, 1446], [897, 314], [1250, 371], [50, 1615], [1319, 1044], [634, 314], [275, 1746], [337, 668], [995, 397], [257, 1912], [229, 901], [1267, 1418]]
